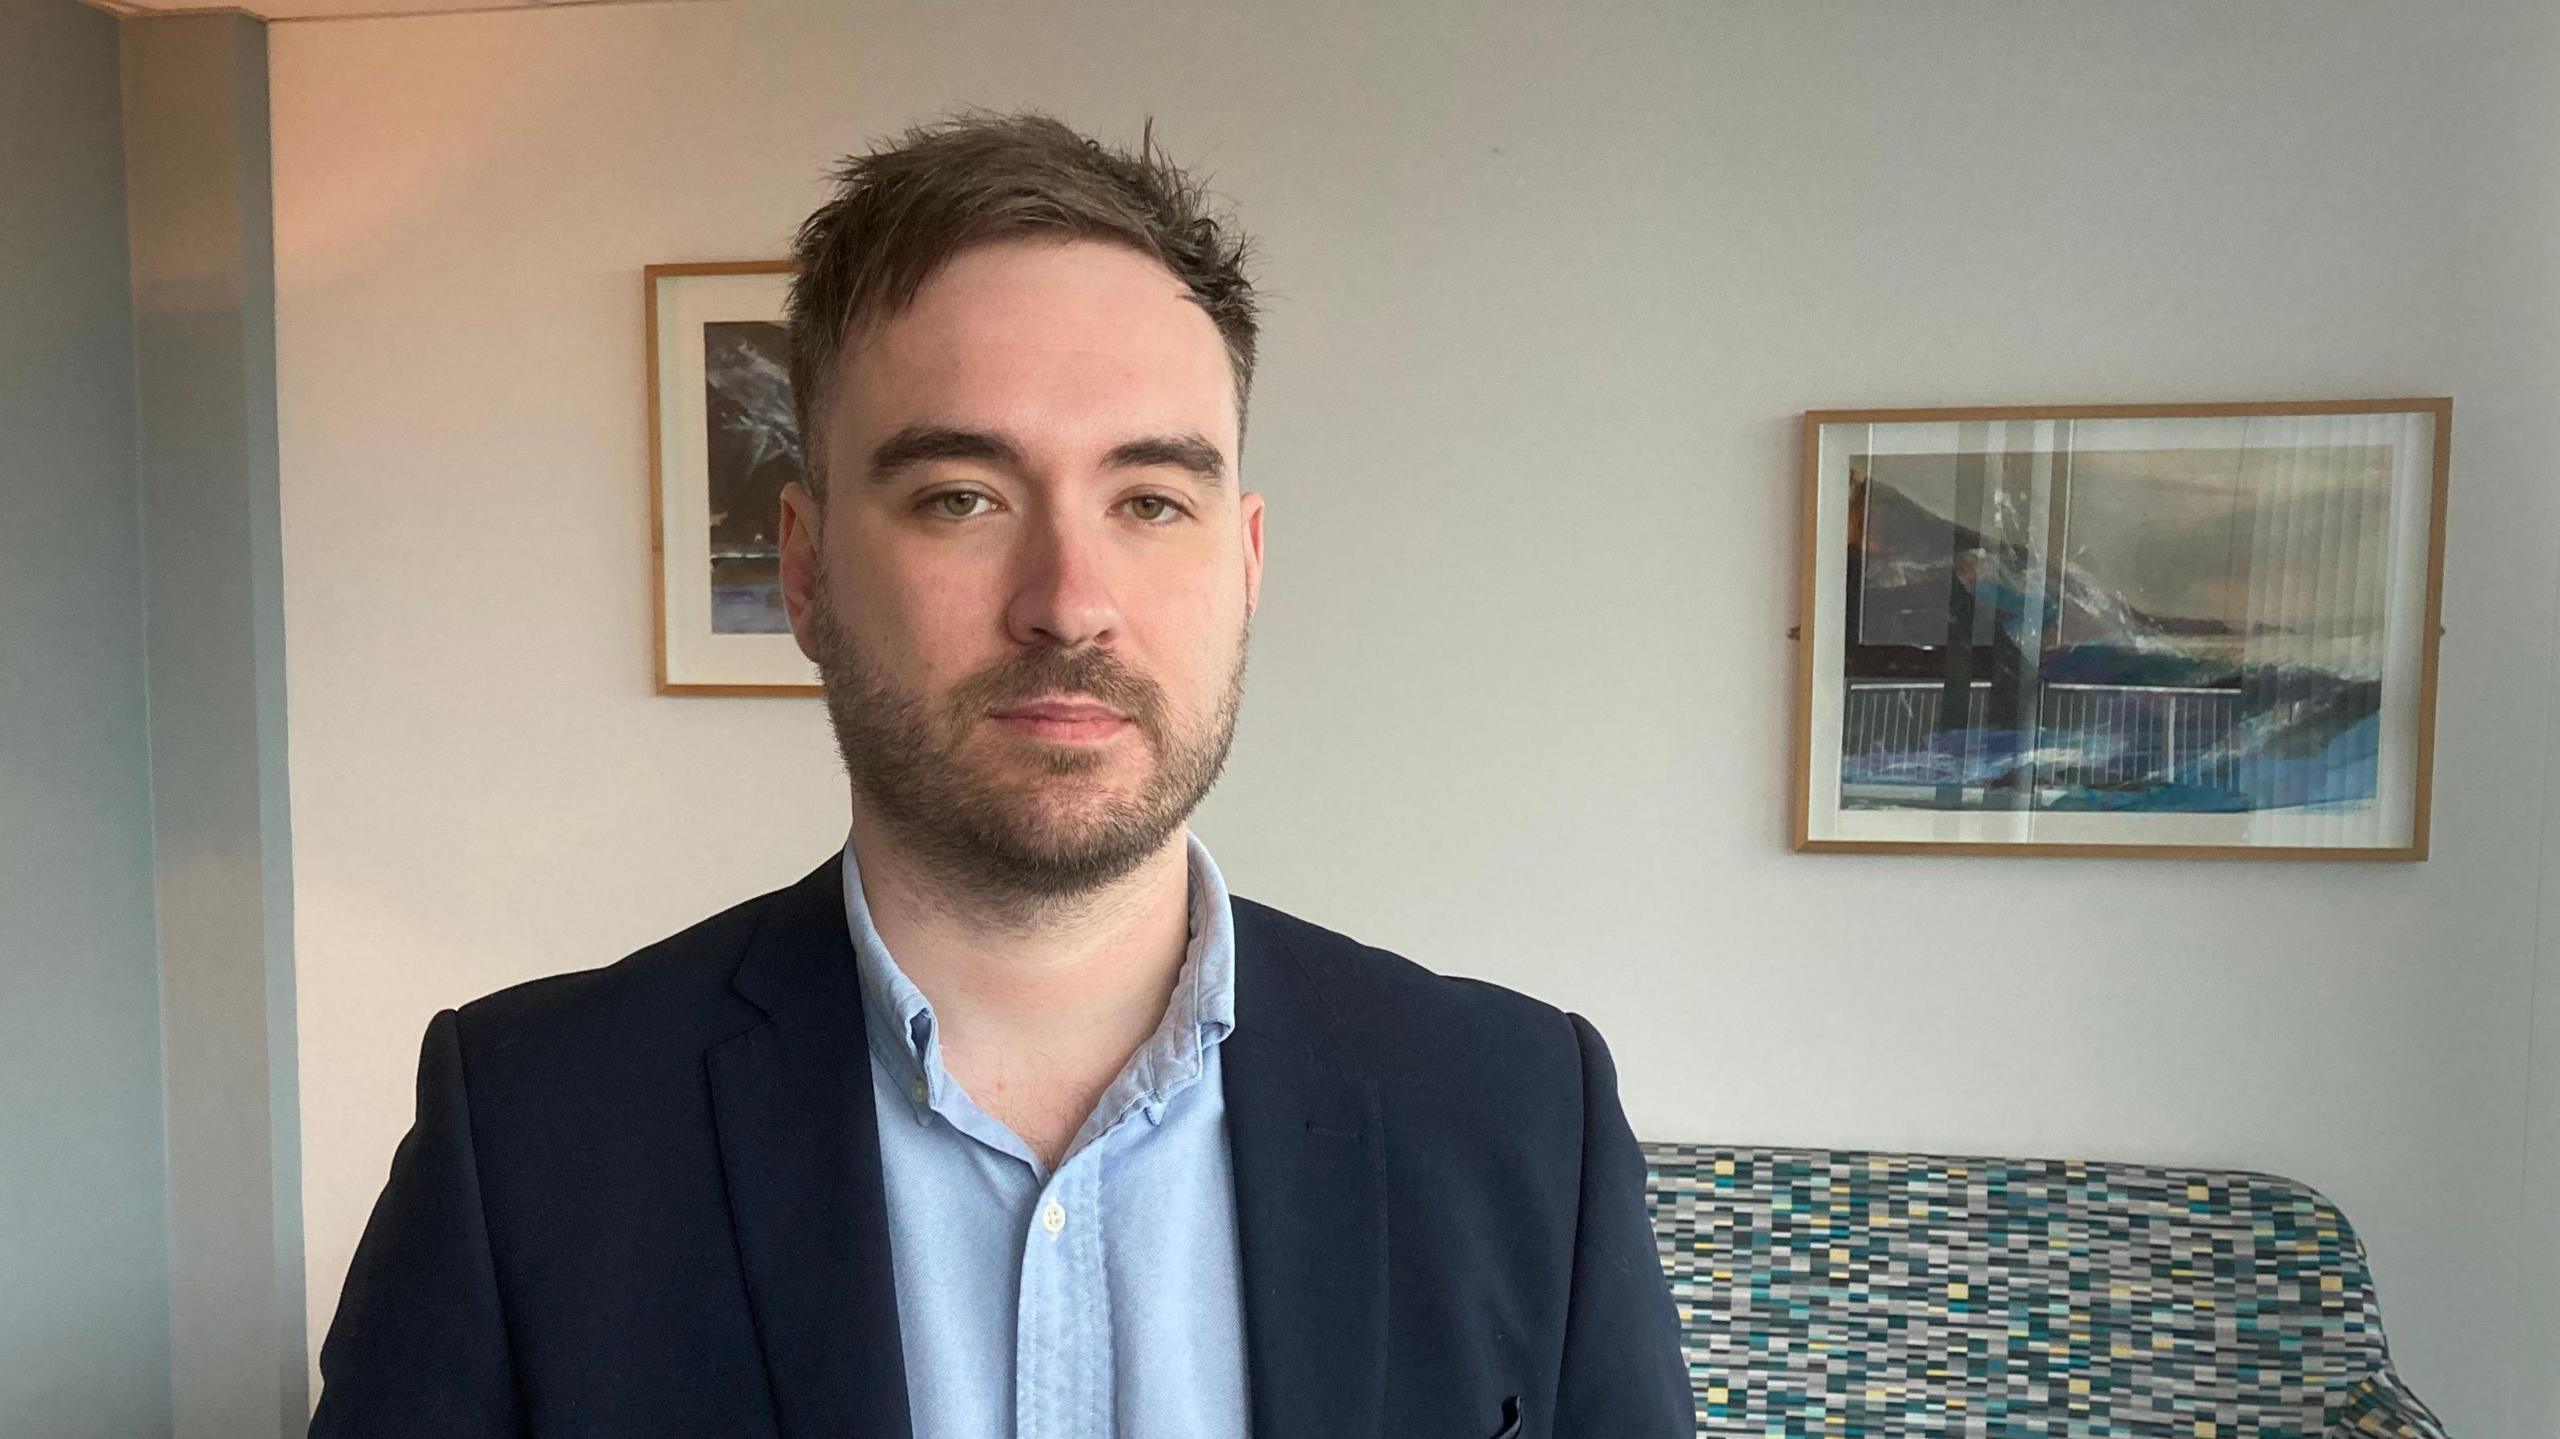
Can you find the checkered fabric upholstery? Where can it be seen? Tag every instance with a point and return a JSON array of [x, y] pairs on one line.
[[1836, 1295]]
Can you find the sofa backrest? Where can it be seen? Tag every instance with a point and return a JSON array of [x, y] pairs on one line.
[[1845, 1294]]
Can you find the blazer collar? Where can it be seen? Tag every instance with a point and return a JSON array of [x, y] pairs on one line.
[[800, 1146], [1309, 1157]]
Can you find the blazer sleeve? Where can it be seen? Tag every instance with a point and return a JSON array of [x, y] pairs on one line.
[[419, 1345], [1624, 1374]]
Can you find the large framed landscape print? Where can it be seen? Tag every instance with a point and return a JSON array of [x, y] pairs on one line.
[[2201, 631], [723, 441]]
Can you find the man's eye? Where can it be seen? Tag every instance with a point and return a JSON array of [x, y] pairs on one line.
[[1168, 509], [947, 495]]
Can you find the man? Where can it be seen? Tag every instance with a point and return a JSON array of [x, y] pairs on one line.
[[1008, 1120]]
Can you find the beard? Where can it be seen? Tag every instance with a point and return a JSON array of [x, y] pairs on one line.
[[1019, 827]]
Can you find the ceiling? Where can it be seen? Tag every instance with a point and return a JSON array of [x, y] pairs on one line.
[[338, 9]]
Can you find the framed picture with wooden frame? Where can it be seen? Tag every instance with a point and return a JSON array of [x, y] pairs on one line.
[[724, 439], [2193, 631]]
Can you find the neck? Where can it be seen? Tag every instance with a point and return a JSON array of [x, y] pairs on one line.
[[1074, 987]]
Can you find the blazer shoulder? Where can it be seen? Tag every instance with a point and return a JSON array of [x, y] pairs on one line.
[[671, 993], [1402, 1020]]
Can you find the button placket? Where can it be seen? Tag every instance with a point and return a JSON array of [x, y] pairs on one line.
[[1091, 1333], [1037, 1366]]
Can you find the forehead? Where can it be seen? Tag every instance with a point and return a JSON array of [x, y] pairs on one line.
[[1071, 343]]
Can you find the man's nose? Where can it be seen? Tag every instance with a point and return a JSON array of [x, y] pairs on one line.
[[1062, 588]]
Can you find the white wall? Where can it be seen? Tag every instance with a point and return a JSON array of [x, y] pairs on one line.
[[1546, 294]]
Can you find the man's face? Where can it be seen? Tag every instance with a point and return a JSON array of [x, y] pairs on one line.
[[1032, 495]]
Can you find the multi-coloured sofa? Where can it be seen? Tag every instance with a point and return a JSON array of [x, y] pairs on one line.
[[1841, 1295]]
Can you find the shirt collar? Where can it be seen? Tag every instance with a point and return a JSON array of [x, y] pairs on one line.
[[1202, 1011]]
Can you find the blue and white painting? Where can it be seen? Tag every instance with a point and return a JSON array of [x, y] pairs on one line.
[[2196, 631], [753, 440]]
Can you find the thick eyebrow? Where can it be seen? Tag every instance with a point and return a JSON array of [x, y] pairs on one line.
[[1188, 452], [922, 444]]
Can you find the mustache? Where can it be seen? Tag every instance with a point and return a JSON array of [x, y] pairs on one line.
[[1081, 674], [1086, 673]]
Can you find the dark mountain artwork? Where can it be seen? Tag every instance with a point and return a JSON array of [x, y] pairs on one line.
[[753, 434], [2091, 702]]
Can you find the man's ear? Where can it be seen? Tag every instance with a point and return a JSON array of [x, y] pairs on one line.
[[1252, 515], [803, 532]]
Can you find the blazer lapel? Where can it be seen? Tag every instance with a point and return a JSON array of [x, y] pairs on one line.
[[1310, 1176], [801, 1149]]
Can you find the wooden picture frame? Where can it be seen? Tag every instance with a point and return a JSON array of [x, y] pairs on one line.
[[2191, 631], [723, 439]]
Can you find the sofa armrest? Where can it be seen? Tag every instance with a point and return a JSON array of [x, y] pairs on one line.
[[2382, 1407]]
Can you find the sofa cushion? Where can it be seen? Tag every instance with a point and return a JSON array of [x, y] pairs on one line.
[[1846, 1294]]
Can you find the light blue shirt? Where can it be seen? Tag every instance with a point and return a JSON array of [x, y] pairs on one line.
[[1101, 1301]]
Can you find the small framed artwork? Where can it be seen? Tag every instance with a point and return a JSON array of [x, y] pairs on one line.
[[723, 441], [2198, 631]]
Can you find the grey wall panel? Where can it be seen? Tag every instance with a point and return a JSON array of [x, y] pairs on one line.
[[204, 322], [84, 1327]]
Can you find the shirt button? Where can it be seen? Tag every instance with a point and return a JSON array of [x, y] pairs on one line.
[[921, 1091], [1054, 1218]]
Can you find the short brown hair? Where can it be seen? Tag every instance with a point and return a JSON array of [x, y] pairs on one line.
[[902, 211]]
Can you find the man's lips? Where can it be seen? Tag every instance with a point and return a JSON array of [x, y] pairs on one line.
[[1064, 721], [1066, 713]]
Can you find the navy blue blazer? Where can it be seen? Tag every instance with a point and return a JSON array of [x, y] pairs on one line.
[[645, 1200]]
